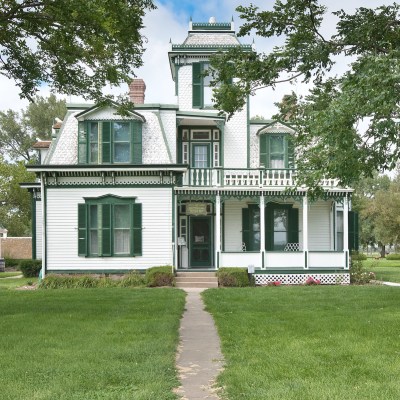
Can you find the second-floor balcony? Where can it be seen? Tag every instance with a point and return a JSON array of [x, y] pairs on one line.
[[244, 177]]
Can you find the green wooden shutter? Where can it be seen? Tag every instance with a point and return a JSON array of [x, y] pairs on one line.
[[290, 151], [264, 151], [136, 147], [137, 230], [245, 227], [106, 143], [82, 143], [353, 231], [293, 225], [105, 229], [269, 227], [82, 230], [197, 81]]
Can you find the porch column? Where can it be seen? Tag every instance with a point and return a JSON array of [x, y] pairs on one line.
[[346, 231], [305, 230], [262, 229], [217, 229]]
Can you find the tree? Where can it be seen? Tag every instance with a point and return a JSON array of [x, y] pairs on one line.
[[19, 130], [40, 114], [75, 46], [326, 120], [15, 210]]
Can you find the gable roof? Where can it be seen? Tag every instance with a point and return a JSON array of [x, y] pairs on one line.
[[276, 127], [92, 110]]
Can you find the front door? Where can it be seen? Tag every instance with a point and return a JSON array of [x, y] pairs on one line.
[[200, 242]]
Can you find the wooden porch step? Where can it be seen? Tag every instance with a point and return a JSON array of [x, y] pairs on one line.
[[196, 280]]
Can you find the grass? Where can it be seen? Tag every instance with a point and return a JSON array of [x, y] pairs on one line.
[[9, 274], [12, 283], [385, 270], [83, 344], [308, 342]]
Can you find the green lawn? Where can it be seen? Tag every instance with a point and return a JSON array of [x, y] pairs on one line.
[[385, 270], [309, 342], [9, 274], [13, 283], [89, 343]]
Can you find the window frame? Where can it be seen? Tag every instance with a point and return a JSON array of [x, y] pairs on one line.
[[106, 142], [105, 209], [266, 154]]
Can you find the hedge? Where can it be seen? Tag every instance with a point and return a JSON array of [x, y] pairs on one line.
[[393, 256], [30, 268], [160, 276], [233, 277]]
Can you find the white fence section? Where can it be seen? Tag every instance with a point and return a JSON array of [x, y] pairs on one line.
[[245, 177], [318, 259]]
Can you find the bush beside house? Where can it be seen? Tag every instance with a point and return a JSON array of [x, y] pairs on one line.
[[233, 277]]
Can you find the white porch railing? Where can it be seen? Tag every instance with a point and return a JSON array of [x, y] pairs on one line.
[[245, 177]]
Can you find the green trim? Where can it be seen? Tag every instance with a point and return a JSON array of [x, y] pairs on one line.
[[263, 260], [79, 106], [209, 48], [306, 260], [300, 271], [176, 79], [96, 106], [203, 115], [210, 243], [150, 106], [109, 167], [212, 26], [325, 251], [164, 135], [174, 229], [261, 121], [33, 210], [100, 185]]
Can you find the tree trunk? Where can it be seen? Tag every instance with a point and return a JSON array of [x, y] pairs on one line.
[[383, 252]]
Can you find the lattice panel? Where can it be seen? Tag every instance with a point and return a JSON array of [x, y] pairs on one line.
[[300, 279]]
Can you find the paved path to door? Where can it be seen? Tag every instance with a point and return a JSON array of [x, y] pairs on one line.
[[199, 359]]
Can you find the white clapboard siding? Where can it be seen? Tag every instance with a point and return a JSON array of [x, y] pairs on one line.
[[38, 230], [233, 225], [319, 226], [62, 234]]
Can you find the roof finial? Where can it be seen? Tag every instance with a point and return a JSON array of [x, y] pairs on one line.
[[212, 20], [190, 24]]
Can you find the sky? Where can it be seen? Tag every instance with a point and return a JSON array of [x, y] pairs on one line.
[[171, 21]]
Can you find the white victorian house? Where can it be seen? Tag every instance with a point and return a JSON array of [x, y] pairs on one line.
[[178, 184]]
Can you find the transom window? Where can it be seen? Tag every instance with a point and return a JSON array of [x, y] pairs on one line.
[[110, 142], [109, 226]]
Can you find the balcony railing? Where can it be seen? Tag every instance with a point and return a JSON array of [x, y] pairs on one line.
[[244, 177]]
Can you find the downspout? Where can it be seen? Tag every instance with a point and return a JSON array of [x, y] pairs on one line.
[[43, 196]]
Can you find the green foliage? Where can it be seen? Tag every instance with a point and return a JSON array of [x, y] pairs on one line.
[[30, 268], [75, 47], [40, 114], [160, 276], [233, 277], [393, 256], [358, 256], [133, 279], [12, 262], [358, 274], [15, 212], [325, 120]]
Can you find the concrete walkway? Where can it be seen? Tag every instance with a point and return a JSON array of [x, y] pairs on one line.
[[199, 358]]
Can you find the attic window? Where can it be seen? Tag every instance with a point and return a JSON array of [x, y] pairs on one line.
[[110, 142]]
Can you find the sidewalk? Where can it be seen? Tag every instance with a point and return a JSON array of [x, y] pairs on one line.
[[199, 359]]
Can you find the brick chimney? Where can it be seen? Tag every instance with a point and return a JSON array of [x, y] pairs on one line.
[[136, 91]]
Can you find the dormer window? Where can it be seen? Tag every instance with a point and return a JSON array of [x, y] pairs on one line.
[[276, 151], [110, 142]]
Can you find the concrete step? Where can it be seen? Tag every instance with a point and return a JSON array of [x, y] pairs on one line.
[[196, 274], [205, 285]]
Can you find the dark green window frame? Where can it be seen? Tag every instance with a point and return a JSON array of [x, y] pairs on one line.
[[96, 219], [251, 230], [105, 142], [267, 153]]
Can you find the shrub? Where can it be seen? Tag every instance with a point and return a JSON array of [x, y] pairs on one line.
[[133, 279], [358, 274], [69, 282], [393, 256], [12, 262], [358, 256], [160, 276], [30, 268], [311, 281], [233, 277]]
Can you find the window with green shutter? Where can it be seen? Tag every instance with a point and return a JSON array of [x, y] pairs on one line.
[[110, 142], [276, 151], [251, 227], [110, 226]]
